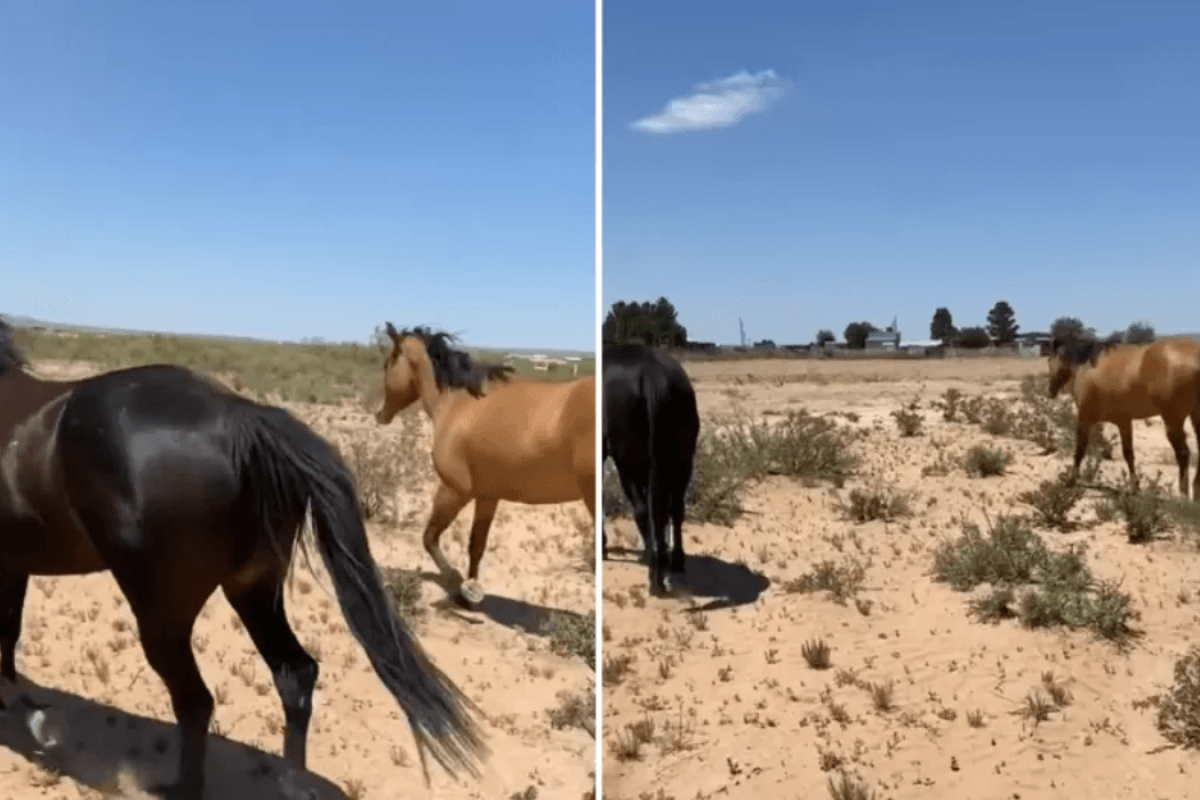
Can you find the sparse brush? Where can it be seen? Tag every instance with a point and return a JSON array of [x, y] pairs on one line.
[[615, 668], [1179, 708], [883, 695], [1063, 591], [1037, 707], [817, 653], [1053, 500], [799, 446], [573, 635], [404, 586], [1144, 511], [574, 710], [843, 581], [850, 788], [951, 404], [877, 502], [984, 462], [908, 421]]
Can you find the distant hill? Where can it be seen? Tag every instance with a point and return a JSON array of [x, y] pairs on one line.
[[19, 321]]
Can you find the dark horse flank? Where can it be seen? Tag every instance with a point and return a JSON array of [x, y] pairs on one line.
[[179, 486], [651, 425]]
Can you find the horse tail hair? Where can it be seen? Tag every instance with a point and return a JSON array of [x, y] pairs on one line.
[[653, 401], [283, 467]]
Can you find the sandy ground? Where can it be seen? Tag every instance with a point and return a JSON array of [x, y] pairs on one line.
[[80, 644], [735, 712]]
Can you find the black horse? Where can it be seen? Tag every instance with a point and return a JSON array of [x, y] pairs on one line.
[[651, 425], [179, 486]]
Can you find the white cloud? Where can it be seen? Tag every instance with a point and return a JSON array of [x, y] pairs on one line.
[[716, 104]]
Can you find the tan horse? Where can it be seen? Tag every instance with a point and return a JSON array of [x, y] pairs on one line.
[[1119, 383], [495, 437]]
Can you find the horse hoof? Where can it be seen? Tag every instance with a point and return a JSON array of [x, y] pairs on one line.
[[472, 593]]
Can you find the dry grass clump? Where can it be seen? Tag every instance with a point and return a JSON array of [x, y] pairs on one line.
[[1061, 589]]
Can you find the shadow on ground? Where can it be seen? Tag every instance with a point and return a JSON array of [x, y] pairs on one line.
[[721, 583], [97, 744], [514, 614]]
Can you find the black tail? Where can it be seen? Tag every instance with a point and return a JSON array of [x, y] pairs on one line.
[[653, 401], [284, 466]]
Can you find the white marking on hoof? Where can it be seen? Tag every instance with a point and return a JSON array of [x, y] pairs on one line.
[[472, 592]]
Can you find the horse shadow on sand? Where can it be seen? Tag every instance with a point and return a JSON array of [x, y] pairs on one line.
[[115, 752], [711, 581], [515, 614]]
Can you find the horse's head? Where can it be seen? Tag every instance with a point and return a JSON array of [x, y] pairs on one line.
[[401, 378], [1068, 356], [1062, 368]]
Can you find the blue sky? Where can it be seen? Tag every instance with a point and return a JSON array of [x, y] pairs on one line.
[[301, 169], [846, 160]]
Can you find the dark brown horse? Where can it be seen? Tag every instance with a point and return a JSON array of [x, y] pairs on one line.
[[1119, 383], [179, 486]]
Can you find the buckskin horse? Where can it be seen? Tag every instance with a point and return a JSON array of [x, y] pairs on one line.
[[495, 437], [177, 486], [651, 425], [1118, 383]]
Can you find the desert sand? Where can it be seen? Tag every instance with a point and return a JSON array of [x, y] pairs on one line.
[[80, 653], [725, 705]]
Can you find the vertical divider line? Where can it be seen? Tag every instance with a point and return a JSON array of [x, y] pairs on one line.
[[599, 523]]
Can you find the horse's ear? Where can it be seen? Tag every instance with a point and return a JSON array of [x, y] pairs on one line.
[[392, 332]]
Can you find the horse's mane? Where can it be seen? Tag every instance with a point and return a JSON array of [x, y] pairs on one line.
[[10, 353], [1084, 351], [453, 369]]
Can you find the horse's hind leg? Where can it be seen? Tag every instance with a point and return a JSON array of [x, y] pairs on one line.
[[12, 606], [1196, 430], [1125, 429], [165, 624], [446, 505], [1177, 436], [485, 512], [260, 607], [1082, 433]]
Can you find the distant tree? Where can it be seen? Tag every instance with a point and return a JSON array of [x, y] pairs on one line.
[[1002, 323], [942, 326], [974, 338], [825, 335], [765, 344], [653, 324], [1139, 333], [1070, 330], [856, 334]]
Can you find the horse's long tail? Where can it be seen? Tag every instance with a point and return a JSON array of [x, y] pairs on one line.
[[653, 401], [283, 467]]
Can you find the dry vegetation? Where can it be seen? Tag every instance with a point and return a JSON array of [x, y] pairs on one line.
[[897, 595], [527, 659]]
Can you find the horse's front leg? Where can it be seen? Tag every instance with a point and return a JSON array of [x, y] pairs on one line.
[[446, 504], [485, 512]]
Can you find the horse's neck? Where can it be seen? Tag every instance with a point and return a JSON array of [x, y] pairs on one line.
[[21, 394]]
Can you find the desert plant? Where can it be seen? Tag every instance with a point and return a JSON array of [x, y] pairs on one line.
[[816, 652], [876, 502], [1053, 500], [984, 462]]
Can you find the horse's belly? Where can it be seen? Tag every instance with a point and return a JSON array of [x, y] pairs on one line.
[[31, 548], [535, 484]]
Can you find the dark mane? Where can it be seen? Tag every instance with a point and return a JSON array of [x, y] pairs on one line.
[[1086, 352], [10, 354], [453, 369]]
